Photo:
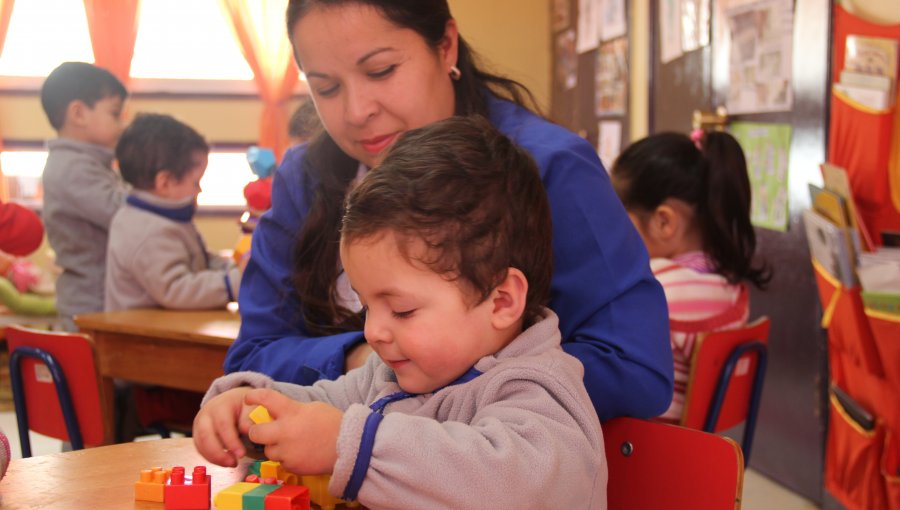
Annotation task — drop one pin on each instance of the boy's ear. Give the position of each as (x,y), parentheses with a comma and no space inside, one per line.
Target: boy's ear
(508,299)
(162,181)
(75,112)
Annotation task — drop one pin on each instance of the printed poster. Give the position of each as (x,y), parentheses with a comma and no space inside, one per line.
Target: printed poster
(694,24)
(613,23)
(589,12)
(609,142)
(766,148)
(611,86)
(761,34)
(566,59)
(669,30)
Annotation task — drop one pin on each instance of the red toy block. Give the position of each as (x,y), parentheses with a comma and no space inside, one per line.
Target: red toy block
(150,486)
(187,493)
(288,497)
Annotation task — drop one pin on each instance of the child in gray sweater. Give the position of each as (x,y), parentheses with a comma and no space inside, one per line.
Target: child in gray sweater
(156,257)
(469,401)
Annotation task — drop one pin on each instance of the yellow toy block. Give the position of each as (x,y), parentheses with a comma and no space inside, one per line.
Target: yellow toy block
(232,498)
(260,415)
(272,469)
(150,486)
(318,492)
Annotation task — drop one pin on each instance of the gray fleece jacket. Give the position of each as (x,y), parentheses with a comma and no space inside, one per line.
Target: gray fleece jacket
(522,434)
(158,260)
(81,194)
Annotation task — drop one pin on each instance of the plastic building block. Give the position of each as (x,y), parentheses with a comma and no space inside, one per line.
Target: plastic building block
(150,485)
(288,497)
(260,415)
(318,492)
(255,499)
(232,498)
(272,469)
(187,493)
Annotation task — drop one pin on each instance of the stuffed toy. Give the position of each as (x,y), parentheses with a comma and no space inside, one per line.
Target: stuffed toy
(24,289)
(258,195)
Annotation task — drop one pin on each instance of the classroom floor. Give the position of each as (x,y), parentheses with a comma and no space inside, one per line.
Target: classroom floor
(760,493)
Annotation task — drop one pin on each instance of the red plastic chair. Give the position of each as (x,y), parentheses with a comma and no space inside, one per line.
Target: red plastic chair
(55,387)
(654,465)
(726,379)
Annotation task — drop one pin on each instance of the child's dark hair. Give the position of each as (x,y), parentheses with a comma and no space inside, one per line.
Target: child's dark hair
(80,81)
(304,122)
(475,199)
(154,142)
(712,179)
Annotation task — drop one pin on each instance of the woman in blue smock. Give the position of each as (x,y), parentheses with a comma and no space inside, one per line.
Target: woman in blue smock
(378,68)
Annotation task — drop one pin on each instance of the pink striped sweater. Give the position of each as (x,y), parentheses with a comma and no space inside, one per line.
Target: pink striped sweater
(699,301)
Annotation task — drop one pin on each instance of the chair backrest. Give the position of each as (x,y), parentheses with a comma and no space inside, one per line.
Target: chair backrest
(653,465)
(54,379)
(725,380)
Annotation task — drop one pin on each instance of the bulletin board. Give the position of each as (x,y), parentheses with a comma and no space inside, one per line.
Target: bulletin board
(590,88)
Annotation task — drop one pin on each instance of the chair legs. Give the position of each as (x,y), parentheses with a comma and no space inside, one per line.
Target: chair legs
(722,387)
(62,391)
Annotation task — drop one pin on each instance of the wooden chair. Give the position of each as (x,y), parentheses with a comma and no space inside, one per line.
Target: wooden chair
(55,387)
(726,378)
(653,465)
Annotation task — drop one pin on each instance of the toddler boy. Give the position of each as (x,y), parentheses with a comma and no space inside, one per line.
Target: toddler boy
(156,256)
(469,402)
(82,192)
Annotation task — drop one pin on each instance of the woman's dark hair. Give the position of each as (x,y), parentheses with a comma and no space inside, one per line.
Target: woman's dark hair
(714,180)
(328,171)
(155,142)
(474,198)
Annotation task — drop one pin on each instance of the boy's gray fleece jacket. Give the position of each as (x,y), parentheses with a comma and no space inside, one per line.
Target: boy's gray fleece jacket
(522,434)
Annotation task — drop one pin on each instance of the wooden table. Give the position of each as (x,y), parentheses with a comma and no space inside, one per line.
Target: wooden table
(102,478)
(172,348)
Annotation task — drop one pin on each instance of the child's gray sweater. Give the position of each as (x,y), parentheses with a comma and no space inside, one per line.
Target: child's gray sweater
(522,434)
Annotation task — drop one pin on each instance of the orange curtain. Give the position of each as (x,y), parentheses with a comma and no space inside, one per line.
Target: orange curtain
(259,28)
(6,7)
(113,26)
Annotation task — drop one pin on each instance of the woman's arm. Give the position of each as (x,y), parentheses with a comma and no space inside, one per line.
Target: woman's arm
(272,339)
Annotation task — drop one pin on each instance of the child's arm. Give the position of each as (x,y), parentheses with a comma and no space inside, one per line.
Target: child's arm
(91,192)
(163,269)
(529,447)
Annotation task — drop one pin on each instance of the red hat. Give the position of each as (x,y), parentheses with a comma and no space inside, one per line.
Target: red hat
(21,230)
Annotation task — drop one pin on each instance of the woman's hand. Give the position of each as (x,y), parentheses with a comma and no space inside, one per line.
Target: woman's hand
(302,436)
(357,356)
(218,426)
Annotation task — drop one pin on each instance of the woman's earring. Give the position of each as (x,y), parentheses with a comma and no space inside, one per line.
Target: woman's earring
(455,73)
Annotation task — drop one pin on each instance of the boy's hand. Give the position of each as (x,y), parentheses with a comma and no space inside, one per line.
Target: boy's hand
(302,436)
(218,425)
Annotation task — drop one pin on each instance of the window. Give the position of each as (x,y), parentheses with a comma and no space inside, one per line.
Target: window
(223,183)
(42,34)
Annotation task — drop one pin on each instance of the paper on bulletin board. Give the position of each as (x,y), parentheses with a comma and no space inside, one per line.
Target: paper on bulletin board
(566,59)
(589,12)
(761,34)
(609,142)
(670,30)
(694,24)
(611,80)
(766,149)
(612,23)
(560,15)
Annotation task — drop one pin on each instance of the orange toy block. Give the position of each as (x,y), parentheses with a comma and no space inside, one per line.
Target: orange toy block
(150,485)
(232,498)
(288,497)
(187,493)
